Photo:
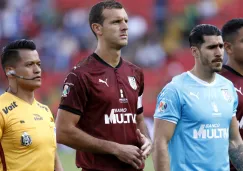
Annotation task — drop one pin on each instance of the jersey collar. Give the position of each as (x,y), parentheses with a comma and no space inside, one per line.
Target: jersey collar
(103,62)
(201,81)
(232,70)
(19,99)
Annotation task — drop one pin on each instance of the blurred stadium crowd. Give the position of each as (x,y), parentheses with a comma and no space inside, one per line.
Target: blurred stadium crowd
(158,32)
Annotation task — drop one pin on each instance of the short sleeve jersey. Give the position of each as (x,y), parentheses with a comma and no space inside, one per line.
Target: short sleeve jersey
(27,133)
(202,113)
(108,100)
(237,80)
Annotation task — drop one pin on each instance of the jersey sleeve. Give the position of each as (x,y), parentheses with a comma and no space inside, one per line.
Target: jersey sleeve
(74,95)
(140,95)
(168,105)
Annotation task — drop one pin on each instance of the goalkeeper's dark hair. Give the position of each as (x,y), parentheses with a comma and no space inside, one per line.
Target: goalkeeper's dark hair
(96,12)
(10,53)
(196,37)
(230,29)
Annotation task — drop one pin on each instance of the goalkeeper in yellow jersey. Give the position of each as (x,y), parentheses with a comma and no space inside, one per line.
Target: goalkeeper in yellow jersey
(27,128)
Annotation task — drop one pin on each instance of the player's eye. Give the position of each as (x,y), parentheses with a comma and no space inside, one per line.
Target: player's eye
(29,65)
(221,46)
(211,47)
(117,21)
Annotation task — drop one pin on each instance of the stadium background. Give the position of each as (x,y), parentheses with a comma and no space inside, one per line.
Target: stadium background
(158,41)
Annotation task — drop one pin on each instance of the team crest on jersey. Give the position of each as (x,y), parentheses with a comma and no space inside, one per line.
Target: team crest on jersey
(226,95)
(66,90)
(26,139)
(132,82)
(162,106)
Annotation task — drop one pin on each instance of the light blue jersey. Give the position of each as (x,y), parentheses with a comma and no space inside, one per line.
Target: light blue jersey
(203,113)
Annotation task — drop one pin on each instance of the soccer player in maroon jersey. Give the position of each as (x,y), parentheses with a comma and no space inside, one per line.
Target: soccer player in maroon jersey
(232,33)
(101,112)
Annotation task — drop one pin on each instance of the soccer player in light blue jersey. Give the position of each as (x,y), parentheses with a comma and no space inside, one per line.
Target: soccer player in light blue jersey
(195,124)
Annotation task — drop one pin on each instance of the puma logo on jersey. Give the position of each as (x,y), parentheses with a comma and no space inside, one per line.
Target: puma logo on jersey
(9,108)
(105,82)
(195,95)
(239,90)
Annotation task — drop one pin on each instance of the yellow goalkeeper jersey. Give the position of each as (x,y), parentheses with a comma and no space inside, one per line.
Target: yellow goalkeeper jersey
(27,133)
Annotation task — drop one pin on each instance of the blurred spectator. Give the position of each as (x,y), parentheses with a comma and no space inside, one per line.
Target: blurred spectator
(137,28)
(207,8)
(161,15)
(150,54)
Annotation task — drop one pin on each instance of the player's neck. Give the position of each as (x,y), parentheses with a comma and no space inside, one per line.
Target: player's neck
(237,66)
(204,75)
(109,55)
(27,96)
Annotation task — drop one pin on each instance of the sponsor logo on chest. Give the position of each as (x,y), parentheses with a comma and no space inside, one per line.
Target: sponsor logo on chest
(10,107)
(119,116)
(211,131)
(37,117)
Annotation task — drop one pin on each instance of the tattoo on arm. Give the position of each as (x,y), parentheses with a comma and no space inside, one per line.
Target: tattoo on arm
(236,156)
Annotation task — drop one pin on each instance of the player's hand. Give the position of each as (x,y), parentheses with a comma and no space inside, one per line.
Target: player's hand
(146,144)
(130,154)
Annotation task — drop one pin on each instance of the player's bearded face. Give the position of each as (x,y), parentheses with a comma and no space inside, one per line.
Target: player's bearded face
(211,53)
(115,27)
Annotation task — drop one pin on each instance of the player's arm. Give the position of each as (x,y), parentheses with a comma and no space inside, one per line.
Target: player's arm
(58,164)
(167,114)
(163,131)
(142,131)
(235,145)
(68,134)
(143,135)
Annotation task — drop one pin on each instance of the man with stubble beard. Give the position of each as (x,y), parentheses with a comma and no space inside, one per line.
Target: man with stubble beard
(101,112)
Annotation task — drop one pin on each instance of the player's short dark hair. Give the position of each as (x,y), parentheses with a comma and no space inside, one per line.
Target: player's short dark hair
(230,29)
(10,54)
(96,16)
(196,37)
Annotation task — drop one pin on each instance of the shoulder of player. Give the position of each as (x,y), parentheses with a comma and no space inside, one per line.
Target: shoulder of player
(5,100)
(224,79)
(175,85)
(224,71)
(179,80)
(83,67)
(131,65)
(43,106)
(7,104)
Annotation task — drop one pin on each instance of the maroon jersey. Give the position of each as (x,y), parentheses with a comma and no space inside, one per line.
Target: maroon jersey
(108,100)
(237,79)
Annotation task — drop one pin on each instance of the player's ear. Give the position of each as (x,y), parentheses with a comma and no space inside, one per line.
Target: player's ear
(195,51)
(97,28)
(9,70)
(228,47)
